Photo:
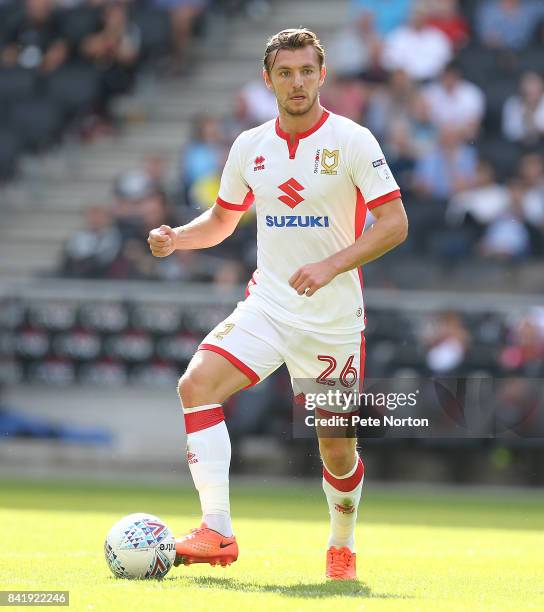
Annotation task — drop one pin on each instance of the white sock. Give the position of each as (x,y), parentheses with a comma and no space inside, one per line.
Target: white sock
(208,456)
(343,495)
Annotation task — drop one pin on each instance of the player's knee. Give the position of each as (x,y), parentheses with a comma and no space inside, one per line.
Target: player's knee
(193,387)
(337,454)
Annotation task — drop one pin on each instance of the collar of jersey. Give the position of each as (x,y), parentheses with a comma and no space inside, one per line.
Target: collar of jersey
(293,146)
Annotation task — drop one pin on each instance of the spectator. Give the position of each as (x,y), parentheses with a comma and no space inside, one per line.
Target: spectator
(114,49)
(134,262)
(260,102)
(155,166)
(382,17)
(523,113)
(401,152)
(139,206)
(445,15)
(33,38)
(424,133)
(508,237)
(446,341)
(390,102)
(345,96)
(455,102)
(531,173)
(203,156)
(91,251)
(355,50)
(410,135)
(448,168)
(477,207)
(508,24)
(238,120)
(140,201)
(130,189)
(183,14)
(420,50)
(524,349)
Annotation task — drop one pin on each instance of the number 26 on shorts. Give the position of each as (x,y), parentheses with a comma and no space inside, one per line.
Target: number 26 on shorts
(348,375)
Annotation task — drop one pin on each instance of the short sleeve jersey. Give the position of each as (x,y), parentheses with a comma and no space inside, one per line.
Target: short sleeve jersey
(311,196)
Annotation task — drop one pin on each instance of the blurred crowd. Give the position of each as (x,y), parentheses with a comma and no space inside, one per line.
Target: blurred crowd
(62,62)
(454,92)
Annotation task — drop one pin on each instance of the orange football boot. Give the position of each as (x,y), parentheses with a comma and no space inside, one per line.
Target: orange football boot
(341,564)
(204,545)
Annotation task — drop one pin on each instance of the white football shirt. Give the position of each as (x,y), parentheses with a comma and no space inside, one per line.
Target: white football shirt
(311,198)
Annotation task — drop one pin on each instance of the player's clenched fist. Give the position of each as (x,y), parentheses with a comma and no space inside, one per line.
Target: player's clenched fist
(311,277)
(162,241)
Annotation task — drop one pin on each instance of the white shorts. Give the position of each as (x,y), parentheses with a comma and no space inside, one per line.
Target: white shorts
(258,345)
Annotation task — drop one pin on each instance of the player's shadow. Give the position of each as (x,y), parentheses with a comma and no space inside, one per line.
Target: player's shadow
(313,590)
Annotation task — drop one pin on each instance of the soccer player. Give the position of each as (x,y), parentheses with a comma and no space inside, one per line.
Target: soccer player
(312,176)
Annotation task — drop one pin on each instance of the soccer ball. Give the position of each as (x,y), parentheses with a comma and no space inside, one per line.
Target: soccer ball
(140,546)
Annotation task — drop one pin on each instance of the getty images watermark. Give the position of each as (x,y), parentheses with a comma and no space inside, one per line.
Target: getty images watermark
(335,408)
(476,406)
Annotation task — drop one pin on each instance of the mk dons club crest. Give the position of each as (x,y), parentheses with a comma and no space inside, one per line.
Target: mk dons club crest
(329,161)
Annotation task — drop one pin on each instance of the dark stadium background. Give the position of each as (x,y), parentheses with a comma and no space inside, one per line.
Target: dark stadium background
(108,129)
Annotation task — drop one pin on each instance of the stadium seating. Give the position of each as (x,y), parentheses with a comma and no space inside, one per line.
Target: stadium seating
(73,91)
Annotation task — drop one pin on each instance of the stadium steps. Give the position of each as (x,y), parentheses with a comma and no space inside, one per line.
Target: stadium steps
(45,207)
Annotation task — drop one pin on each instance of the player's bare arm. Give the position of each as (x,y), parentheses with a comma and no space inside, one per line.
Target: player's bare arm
(207,230)
(390,230)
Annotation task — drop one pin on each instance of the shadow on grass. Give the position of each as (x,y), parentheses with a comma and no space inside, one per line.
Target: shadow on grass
(309,590)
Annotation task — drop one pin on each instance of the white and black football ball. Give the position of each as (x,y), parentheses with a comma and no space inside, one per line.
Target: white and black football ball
(140,546)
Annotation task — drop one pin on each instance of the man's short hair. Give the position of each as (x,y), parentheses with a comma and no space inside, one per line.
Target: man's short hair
(293,38)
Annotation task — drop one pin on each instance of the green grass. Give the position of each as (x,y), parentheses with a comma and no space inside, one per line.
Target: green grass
(416,551)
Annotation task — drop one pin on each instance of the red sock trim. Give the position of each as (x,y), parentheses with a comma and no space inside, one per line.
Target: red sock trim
(195,421)
(346,484)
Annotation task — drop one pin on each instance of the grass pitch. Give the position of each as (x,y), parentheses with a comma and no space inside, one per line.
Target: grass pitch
(416,551)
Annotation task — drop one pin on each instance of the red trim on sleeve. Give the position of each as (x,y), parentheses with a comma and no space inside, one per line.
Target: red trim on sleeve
(393,195)
(253,377)
(346,484)
(195,421)
(248,201)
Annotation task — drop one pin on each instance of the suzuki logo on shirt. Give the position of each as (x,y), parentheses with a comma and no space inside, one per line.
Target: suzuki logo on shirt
(297,221)
(291,188)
